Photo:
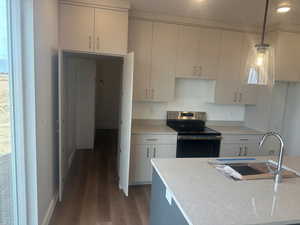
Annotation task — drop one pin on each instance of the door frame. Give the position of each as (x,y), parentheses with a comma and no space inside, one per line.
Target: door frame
(22,113)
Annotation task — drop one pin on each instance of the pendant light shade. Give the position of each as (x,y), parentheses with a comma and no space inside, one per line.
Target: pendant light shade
(260,65)
(260,60)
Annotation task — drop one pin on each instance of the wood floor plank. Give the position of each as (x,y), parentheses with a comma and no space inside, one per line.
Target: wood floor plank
(92,195)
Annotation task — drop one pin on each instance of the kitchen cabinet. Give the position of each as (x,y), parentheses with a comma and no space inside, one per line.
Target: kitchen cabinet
(95,30)
(287,54)
(146,147)
(76,28)
(163,62)
(155,47)
(242,145)
(231,86)
(140,42)
(198,53)
(111,31)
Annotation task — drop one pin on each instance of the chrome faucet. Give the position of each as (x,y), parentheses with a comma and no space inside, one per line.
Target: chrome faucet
(278,177)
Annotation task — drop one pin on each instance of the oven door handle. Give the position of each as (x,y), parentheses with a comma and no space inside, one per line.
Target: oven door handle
(199,138)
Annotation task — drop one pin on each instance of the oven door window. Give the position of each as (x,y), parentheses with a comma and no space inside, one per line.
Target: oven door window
(198,148)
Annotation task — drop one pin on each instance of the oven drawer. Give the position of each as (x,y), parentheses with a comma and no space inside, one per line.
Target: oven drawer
(154,139)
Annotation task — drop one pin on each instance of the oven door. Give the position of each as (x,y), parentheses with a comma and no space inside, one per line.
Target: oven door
(198,146)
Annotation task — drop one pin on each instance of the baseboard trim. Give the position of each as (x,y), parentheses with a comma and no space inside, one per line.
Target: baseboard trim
(50,210)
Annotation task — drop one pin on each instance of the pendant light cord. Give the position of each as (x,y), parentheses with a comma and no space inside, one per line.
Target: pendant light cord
(265,23)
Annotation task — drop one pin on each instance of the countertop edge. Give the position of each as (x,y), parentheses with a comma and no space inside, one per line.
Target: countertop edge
(173,196)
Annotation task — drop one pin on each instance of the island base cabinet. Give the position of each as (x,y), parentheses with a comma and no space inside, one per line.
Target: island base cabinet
(161,212)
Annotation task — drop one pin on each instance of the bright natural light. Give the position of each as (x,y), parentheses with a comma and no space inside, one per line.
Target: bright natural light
(5,148)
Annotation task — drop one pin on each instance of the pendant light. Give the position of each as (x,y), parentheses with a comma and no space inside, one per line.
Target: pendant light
(259,65)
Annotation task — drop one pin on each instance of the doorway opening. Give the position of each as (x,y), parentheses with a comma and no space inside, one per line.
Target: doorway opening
(95,94)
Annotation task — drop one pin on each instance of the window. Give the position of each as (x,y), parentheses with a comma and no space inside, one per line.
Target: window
(6,199)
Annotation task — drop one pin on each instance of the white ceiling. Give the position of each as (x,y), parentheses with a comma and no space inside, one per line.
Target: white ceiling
(245,12)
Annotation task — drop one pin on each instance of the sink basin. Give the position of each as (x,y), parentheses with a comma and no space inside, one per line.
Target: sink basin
(253,168)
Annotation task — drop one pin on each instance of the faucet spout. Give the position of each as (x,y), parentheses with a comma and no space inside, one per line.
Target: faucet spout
(278,176)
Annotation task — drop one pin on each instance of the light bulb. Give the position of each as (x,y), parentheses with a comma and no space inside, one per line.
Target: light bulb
(283,9)
(260,59)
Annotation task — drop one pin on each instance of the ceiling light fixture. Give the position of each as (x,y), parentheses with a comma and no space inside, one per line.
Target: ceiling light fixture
(283,9)
(259,63)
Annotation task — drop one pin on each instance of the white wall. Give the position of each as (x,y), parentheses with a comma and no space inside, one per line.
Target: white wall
(46,45)
(292,120)
(190,95)
(85,102)
(109,71)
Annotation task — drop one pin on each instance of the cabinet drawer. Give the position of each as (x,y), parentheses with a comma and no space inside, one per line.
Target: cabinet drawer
(240,139)
(154,139)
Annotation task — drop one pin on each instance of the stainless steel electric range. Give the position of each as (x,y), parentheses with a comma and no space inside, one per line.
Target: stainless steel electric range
(194,138)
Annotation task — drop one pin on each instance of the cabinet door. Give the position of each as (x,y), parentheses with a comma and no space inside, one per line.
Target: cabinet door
(111,31)
(164,49)
(287,57)
(165,151)
(209,53)
(228,150)
(198,52)
(188,51)
(141,164)
(140,42)
(228,83)
(76,28)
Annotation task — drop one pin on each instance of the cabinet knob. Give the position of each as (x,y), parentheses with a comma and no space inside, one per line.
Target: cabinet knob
(98,43)
(90,42)
(235,97)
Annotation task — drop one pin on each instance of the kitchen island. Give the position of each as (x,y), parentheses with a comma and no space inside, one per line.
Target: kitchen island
(192,192)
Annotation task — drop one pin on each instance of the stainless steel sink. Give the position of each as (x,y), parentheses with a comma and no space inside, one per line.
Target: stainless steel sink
(253,168)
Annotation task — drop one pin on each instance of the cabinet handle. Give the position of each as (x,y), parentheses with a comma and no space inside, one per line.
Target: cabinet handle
(98,43)
(200,71)
(241,97)
(195,70)
(235,97)
(246,151)
(154,154)
(240,153)
(90,42)
(244,139)
(152,93)
(146,90)
(147,152)
(151,139)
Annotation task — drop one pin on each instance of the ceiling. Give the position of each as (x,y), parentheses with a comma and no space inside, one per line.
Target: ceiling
(244,12)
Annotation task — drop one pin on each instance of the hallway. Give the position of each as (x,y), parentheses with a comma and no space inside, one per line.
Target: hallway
(92,196)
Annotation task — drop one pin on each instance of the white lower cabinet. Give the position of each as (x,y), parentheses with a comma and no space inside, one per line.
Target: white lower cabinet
(146,147)
(243,145)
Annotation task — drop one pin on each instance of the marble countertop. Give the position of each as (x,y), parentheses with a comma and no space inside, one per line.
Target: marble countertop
(206,197)
(151,127)
(160,127)
(227,130)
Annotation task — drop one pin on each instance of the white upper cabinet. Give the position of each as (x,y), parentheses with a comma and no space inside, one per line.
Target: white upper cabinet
(76,28)
(287,55)
(163,62)
(155,47)
(231,87)
(95,30)
(111,31)
(198,52)
(140,42)
(228,82)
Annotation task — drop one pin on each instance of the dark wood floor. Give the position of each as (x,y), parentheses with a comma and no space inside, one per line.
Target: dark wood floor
(92,196)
